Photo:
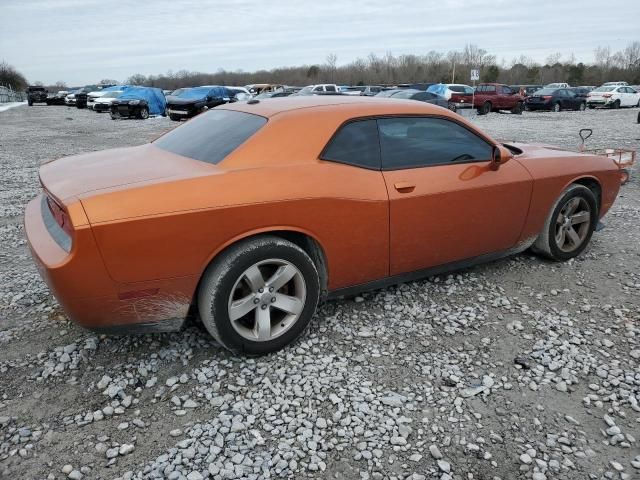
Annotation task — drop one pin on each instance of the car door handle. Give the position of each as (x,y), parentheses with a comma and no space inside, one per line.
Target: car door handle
(404,187)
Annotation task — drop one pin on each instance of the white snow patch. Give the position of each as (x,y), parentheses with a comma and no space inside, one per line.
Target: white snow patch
(7,106)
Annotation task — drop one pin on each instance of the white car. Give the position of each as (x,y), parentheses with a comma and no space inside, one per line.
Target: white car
(616,84)
(103,102)
(92,96)
(613,96)
(322,88)
(70,99)
(558,85)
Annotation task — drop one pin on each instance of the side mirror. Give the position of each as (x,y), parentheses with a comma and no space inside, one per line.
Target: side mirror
(499,156)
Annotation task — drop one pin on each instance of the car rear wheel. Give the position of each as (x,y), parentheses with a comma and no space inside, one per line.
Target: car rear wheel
(452,107)
(259,295)
(582,107)
(592,107)
(570,225)
(144,113)
(556,107)
(616,104)
(518,108)
(175,118)
(485,109)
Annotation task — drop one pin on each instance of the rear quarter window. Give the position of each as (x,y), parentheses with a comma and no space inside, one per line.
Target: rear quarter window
(211,136)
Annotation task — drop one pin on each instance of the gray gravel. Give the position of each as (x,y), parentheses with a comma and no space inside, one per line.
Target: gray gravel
(519,369)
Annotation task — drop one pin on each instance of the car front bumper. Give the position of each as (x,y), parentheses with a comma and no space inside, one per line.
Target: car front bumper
(89,296)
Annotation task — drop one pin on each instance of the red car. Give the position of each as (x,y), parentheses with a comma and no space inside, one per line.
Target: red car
(492,97)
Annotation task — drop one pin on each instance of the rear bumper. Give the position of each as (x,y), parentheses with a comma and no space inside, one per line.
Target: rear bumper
(81,284)
(459,105)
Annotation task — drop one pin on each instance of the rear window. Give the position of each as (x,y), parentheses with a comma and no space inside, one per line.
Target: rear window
(211,136)
(461,89)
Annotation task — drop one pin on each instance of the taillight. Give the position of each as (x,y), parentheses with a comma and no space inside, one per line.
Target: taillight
(547,97)
(60,216)
(606,95)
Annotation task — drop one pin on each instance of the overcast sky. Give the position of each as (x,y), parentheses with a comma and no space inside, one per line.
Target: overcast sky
(84,41)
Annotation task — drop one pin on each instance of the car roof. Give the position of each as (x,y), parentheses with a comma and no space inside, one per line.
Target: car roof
(349,106)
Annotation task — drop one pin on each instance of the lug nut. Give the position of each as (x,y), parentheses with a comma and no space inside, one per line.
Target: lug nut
(263,307)
(273,299)
(256,301)
(261,290)
(271,289)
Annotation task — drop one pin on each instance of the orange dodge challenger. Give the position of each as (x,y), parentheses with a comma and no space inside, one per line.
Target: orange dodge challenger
(253,212)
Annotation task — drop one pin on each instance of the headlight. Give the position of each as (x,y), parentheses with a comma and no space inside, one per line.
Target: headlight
(134,102)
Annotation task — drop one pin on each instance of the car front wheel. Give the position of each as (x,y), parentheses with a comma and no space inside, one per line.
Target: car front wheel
(582,107)
(556,107)
(570,225)
(259,295)
(144,113)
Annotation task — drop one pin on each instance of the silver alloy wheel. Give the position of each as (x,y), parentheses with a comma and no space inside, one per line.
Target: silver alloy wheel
(572,224)
(267,300)
(556,107)
(582,107)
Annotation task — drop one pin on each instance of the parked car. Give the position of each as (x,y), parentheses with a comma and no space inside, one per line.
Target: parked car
(354,91)
(458,95)
(525,90)
(185,103)
(239,94)
(36,94)
(93,96)
(614,84)
(555,99)
(557,85)
(139,102)
(57,98)
(157,230)
(587,87)
(372,90)
(82,94)
(421,96)
(493,97)
(103,102)
(581,92)
(70,99)
(613,97)
(258,88)
(315,89)
(285,91)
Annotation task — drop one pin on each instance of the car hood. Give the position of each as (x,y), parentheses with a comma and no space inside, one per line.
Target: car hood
(83,175)
(183,101)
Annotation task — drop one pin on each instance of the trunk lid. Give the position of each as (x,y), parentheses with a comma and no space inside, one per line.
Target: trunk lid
(80,174)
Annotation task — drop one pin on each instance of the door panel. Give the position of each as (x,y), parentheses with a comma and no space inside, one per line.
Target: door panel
(444,213)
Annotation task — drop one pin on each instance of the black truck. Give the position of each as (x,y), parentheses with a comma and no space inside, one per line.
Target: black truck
(36,94)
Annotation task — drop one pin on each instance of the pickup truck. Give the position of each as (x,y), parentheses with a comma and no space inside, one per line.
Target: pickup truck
(493,97)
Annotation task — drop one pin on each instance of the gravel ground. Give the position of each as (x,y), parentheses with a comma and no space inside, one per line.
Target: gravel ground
(519,369)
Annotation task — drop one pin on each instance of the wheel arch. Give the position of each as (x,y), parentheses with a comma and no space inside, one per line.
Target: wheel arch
(300,237)
(593,184)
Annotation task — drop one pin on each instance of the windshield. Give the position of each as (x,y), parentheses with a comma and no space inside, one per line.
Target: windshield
(197,92)
(604,89)
(211,136)
(388,93)
(405,93)
(112,95)
(461,89)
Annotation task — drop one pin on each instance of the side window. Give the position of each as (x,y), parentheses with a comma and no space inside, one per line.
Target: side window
(411,142)
(356,143)
(490,88)
(330,88)
(506,91)
(422,96)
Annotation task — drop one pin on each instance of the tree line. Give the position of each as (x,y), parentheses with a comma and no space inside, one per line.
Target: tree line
(450,67)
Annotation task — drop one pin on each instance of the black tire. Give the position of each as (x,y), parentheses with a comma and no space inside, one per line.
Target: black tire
(582,107)
(30,103)
(638,118)
(113,117)
(175,118)
(452,107)
(556,107)
(616,105)
(218,281)
(517,110)
(485,109)
(144,113)
(591,107)
(546,244)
